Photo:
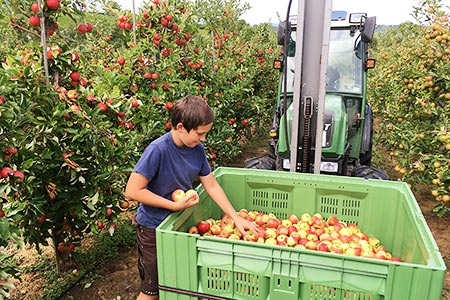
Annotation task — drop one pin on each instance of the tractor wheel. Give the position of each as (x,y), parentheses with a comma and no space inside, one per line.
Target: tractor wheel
(260,163)
(368,172)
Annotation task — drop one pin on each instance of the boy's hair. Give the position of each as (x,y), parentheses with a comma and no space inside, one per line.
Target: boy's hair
(192,111)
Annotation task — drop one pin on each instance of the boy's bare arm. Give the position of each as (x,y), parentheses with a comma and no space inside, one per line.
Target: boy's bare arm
(136,189)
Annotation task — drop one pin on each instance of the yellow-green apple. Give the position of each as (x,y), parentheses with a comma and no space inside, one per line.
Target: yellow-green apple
(234,236)
(318,215)
(302,233)
(345,231)
(193,229)
(282,239)
(324,237)
(306,218)
(250,236)
(303,226)
(312,236)
(336,249)
(381,254)
(352,251)
(226,220)
(300,246)
(354,228)
(243,213)
(270,241)
(355,238)
(215,229)
(178,194)
(286,222)
(291,242)
(260,240)
(252,214)
(270,233)
(311,245)
(191,193)
(374,242)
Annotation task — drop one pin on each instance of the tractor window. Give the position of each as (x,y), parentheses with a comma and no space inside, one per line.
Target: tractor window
(345,67)
(344,73)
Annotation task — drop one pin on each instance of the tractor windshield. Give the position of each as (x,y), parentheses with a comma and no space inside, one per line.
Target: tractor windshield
(344,72)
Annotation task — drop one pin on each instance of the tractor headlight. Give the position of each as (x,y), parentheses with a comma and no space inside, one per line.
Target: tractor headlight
(286,164)
(329,167)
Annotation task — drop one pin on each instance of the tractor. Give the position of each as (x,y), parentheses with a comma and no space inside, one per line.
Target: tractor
(322,121)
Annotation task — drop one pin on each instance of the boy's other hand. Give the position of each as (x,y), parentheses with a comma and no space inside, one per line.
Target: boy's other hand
(189,200)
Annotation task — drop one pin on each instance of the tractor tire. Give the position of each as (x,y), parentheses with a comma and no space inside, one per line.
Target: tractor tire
(260,163)
(369,172)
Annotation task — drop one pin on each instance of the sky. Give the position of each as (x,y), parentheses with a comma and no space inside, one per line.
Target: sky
(388,12)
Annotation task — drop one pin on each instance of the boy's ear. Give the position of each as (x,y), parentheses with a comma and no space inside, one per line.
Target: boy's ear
(179,126)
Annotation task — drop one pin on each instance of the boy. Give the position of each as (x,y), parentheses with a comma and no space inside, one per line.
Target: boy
(174,160)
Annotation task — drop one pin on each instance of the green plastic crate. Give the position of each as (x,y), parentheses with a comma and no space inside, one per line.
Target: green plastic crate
(194,267)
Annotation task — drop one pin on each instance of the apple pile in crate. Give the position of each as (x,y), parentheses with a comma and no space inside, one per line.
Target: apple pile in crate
(308,231)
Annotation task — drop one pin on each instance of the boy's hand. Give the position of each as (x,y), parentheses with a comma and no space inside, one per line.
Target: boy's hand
(187,201)
(244,225)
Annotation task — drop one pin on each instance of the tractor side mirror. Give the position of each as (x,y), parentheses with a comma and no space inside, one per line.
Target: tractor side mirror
(281,33)
(368,29)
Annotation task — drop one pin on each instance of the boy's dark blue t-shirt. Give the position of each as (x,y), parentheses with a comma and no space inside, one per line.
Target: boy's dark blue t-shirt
(168,167)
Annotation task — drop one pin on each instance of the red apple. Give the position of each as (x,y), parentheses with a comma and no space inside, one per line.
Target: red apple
(273,223)
(53,4)
(203,227)
(35,7)
(100,224)
(282,230)
(19,176)
(2,213)
(75,76)
(34,21)
(397,259)
(109,211)
(82,28)
(5,172)
(121,61)
(323,247)
(293,218)
(102,106)
(332,220)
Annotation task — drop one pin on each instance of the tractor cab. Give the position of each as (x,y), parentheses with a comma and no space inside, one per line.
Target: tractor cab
(347,119)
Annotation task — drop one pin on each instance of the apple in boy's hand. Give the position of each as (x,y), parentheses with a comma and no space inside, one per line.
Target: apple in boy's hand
(178,194)
(191,192)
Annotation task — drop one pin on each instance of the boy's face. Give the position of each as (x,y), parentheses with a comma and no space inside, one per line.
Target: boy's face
(195,136)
